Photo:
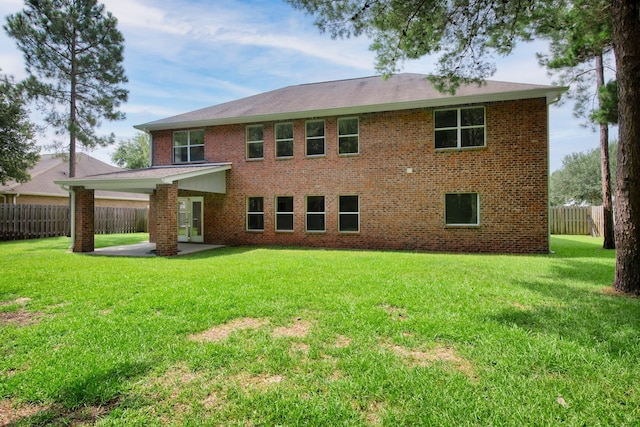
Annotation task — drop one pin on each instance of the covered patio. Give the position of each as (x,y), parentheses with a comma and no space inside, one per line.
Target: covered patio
(161,183)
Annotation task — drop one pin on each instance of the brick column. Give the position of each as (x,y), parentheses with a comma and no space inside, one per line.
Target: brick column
(152,217)
(84,220)
(166,235)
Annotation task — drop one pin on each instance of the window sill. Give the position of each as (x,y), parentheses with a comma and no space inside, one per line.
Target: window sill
(315,156)
(284,231)
(462,226)
(348,154)
(257,159)
(457,149)
(284,158)
(254,231)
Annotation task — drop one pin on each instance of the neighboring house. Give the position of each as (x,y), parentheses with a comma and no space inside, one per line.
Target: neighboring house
(362,163)
(42,190)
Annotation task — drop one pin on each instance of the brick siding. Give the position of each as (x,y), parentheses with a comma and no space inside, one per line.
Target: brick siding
(398,209)
(84,222)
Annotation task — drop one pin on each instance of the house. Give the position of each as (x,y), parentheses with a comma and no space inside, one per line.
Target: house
(362,163)
(42,190)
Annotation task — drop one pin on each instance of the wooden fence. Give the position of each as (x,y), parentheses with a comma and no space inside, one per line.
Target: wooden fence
(585,220)
(18,222)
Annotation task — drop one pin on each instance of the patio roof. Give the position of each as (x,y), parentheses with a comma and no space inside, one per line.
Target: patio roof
(208,178)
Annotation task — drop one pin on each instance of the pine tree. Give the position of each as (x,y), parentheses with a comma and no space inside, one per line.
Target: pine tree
(73,53)
(18,150)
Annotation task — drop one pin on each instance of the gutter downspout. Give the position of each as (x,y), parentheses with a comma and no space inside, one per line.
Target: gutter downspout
(15,198)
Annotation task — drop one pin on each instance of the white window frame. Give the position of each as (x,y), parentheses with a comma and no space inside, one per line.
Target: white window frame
(254,142)
(357,135)
(340,213)
(275,132)
(459,128)
(323,213)
(308,138)
(278,213)
(254,213)
(188,147)
(477,210)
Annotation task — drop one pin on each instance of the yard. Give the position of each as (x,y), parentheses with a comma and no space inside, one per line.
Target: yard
(277,336)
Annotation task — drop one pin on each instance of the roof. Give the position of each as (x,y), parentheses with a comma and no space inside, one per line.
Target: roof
(194,177)
(353,96)
(52,167)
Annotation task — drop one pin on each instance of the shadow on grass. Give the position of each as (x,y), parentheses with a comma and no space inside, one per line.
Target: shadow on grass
(581,309)
(83,401)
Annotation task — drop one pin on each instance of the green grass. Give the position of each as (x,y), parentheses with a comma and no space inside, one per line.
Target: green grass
(374,338)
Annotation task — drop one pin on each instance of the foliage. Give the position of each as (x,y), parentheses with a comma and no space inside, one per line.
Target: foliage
(467,34)
(608,111)
(339,337)
(580,178)
(73,53)
(18,150)
(133,153)
(578,31)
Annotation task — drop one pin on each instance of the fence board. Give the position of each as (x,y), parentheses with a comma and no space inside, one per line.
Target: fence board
(19,222)
(576,220)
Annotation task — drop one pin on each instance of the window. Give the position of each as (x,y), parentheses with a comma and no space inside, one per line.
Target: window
(284,140)
(315,138)
(348,214)
(348,136)
(188,146)
(255,213)
(255,143)
(462,209)
(459,128)
(315,213)
(284,213)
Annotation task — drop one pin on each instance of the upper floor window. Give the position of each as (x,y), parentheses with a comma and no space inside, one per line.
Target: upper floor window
(348,135)
(188,146)
(255,142)
(315,138)
(462,209)
(460,128)
(284,140)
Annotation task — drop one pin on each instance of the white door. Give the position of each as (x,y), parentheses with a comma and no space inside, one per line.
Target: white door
(190,215)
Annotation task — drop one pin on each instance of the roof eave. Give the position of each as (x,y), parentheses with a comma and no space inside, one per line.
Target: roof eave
(551,94)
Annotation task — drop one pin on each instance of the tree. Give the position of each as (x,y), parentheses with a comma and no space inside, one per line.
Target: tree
(133,153)
(18,150)
(73,53)
(468,34)
(580,40)
(580,178)
(626,34)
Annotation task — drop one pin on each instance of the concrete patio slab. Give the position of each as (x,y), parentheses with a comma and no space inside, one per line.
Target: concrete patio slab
(147,249)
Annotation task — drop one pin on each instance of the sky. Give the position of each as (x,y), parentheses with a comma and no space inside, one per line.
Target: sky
(183,55)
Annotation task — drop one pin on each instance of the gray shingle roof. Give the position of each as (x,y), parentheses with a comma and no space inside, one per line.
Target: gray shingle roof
(53,167)
(368,94)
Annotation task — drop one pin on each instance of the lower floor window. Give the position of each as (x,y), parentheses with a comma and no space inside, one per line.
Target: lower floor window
(348,214)
(284,213)
(255,213)
(462,209)
(315,213)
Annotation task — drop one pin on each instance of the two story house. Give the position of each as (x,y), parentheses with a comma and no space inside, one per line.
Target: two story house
(363,163)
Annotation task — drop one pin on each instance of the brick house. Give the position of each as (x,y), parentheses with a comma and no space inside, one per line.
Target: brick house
(363,163)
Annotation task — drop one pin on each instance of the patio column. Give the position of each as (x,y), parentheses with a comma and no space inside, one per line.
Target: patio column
(152,217)
(84,220)
(166,202)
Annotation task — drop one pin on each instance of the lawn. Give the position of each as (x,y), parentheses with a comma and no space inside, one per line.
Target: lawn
(279,336)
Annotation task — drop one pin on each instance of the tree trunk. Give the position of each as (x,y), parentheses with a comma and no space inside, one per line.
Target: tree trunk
(607,210)
(72,110)
(626,34)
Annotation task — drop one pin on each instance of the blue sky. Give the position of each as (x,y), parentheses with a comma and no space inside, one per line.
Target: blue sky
(182,55)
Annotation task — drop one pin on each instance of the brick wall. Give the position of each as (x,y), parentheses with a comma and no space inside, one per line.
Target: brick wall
(166,213)
(398,210)
(84,221)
